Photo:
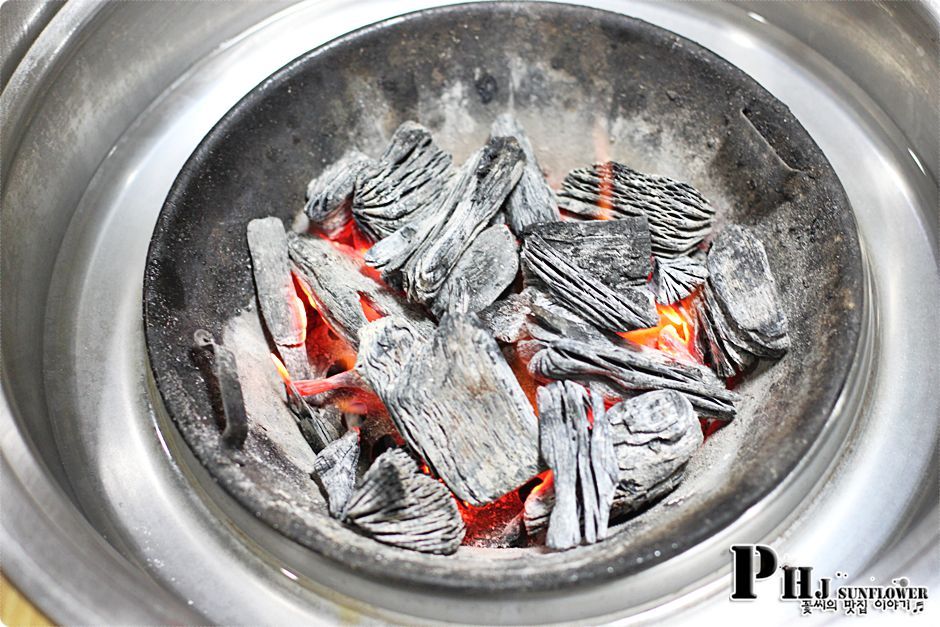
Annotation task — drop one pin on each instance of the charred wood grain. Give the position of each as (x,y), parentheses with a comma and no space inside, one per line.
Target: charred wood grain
(531,201)
(405,183)
(482,273)
(676,278)
(679,216)
(338,283)
(395,504)
(654,436)
(334,470)
(584,293)
(330,195)
(456,402)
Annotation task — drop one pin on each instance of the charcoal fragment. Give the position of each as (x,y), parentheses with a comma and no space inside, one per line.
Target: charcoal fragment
(631,367)
(330,195)
(584,293)
(456,402)
(338,283)
(395,504)
(403,185)
(280,306)
(654,436)
(482,273)
(532,201)
(225,369)
(335,471)
(676,278)
(679,216)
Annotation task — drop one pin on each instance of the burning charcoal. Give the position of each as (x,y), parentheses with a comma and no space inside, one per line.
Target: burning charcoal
(229,387)
(482,273)
(631,367)
(674,279)
(456,401)
(318,425)
(615,252)
(329,196)
(532,201)
(583,292)
(407,181)
(397,505)
(282,310)
(583,464)
(485,181)
(654,436)
(538,510)
(335,470)
(339,286)
(715,338)
(506,318)
(744,289)
(679,216)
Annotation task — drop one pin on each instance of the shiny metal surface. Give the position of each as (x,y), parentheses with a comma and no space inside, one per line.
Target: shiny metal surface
(156,542)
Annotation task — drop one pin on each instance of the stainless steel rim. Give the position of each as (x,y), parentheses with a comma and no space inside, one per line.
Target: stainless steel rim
(139,487)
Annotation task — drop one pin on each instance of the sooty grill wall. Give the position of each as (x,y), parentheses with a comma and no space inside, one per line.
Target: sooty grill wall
(583,83)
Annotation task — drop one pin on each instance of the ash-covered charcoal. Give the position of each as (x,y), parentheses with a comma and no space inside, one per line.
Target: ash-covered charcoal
(727,353)
(228,386)
(330,195)
(583,292)
(538,510)
(506,318)
(654,436)
(675,278)
(319,425)
(679,216)
(583,464)
(405,183)
(615,252)
(482,273)
(532,201)
(335,471)
(484,183)
(744,288)
(456,401)
(339,286)
(397,505)
(631,367)
(281,309)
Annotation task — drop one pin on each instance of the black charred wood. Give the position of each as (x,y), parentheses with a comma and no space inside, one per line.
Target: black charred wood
(277,297)
(482,273)
(395,504)
(456,402)
(654,436)
(405,183)
(334,470)
(679,216)
(583,292)
(338,284)
(330,195)
(532,201)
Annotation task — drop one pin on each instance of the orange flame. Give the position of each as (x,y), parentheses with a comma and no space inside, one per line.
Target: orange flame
(281,369)
(605,192)
(674,335)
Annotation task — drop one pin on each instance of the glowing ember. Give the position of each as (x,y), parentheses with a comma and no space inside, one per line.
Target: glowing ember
(675,333)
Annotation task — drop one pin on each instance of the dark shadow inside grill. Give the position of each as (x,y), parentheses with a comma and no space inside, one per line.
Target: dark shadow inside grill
(587,85)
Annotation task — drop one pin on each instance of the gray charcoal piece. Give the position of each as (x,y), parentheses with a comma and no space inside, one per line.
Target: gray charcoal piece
(532,201)
(676,278)
(743,286)
(583,463)
(335,471)
(404,184)
(562,416)
(615,252)
(330,195)
(730,353)
(482,273)
(339,286)
(679,216)
(319,425)
(654,436)
(395,504)
(631,367)
(583,293)
(506,318)
(456,402)
(471,203)
(537,511)
(277,298)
